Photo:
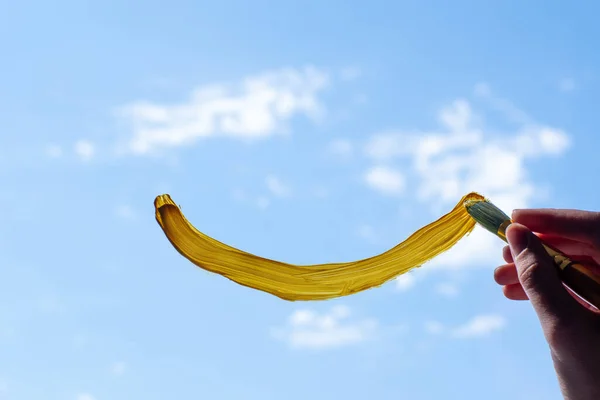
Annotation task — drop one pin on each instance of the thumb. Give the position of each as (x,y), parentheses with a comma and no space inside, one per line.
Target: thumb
(539,277)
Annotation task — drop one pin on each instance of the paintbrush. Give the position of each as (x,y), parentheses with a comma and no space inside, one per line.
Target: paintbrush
(579,278)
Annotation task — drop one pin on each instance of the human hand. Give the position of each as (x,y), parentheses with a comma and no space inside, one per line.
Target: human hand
(571,326)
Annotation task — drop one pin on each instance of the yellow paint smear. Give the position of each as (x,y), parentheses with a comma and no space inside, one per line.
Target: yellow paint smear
(312,282)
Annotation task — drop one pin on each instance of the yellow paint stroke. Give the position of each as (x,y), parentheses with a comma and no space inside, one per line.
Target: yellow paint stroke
(312,282)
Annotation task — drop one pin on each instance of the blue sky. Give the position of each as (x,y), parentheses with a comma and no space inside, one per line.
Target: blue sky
(302,131)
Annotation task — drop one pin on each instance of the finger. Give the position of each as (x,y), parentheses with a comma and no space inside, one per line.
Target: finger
(507,255)
(539,278)
(583,253)
(515,292)
(583,226)
(506,274)
(571,247)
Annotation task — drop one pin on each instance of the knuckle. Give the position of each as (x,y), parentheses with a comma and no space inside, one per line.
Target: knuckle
(530,270)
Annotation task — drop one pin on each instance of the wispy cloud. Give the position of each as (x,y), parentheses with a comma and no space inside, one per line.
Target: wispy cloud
(277,187)
(54,151)
(478,326)
(85,396)
(386,180)
(118,368)
(367,232)
(504,106)
(567,85)
(405,282)
(239,194)
(263,202)
(255,108)
(350,73)
(85,150)
(447,289)
(341,148)
(434,327)
(125,211)
(307,329)
(463,157)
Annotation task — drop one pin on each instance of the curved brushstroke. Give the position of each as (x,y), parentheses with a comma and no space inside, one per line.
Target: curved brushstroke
(312,282)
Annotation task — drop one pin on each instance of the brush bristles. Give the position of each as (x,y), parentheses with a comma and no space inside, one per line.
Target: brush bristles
(487,215)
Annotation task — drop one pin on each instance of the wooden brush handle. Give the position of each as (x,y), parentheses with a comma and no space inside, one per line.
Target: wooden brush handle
(577,276)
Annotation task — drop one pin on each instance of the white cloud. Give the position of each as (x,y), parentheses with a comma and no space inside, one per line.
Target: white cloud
(463,156)
(405,282)
(85,150)
(384,146)
(118,368)
(125,211)
(350,73)
(263,202)
(446,289)
(567,85)
(341,148)
(509,110)
(540,141)
(482,89)
(481,325)
(478,326)
(85,396)
(479,249)
(256,108)
(367,232)
(434,327)
(307,329)
(54,151)
(277,187)
(385,180)
(457,117)
(239,194)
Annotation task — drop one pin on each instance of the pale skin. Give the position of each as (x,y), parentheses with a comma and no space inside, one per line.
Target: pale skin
(571,326)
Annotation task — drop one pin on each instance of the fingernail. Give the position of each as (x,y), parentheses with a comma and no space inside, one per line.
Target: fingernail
(518,238)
